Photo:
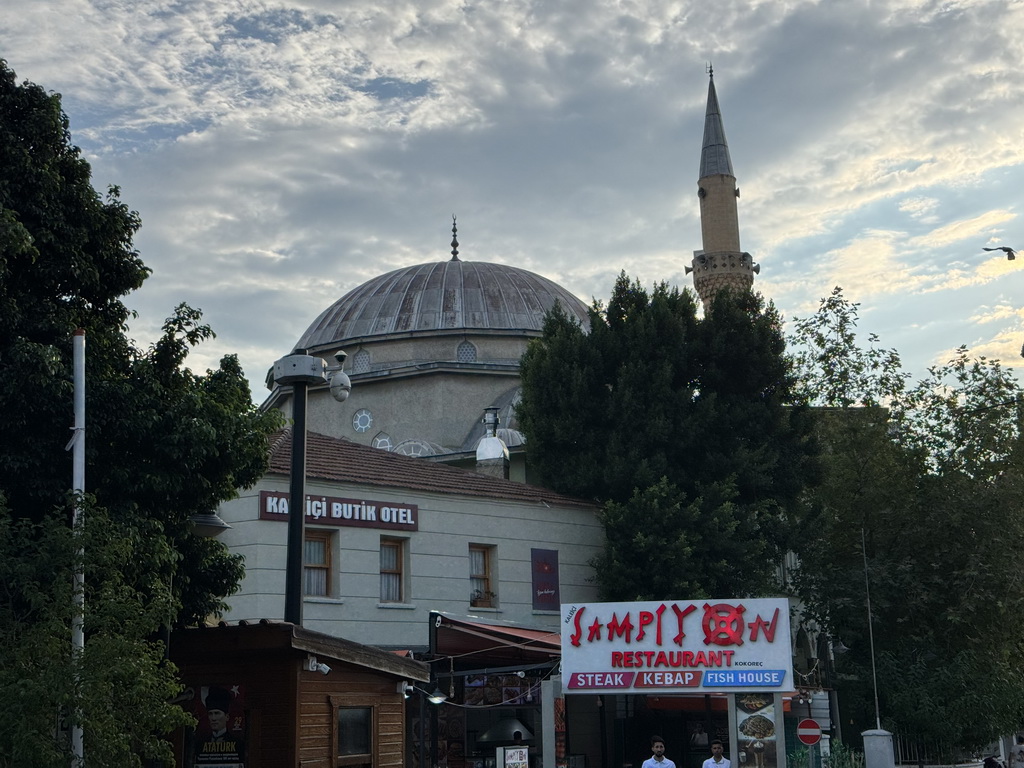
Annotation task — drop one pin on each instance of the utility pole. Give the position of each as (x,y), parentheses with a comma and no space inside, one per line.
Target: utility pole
(78,592)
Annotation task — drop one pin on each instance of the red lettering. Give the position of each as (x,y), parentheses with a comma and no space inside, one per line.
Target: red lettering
(657,635)
(577,629)
(769,629)
(622,628)
(617,659)
(723,624)
(644,618)
(680,615)
(595,631)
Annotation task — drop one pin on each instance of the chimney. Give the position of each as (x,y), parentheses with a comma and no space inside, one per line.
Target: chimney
(491,451)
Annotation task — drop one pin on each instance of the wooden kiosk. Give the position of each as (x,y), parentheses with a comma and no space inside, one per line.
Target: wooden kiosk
(276,695)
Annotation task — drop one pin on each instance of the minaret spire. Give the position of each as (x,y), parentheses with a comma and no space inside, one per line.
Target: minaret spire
(720,264)
(455,240)
(714,157)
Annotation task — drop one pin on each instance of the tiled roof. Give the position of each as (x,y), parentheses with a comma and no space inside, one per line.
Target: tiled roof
(331,458)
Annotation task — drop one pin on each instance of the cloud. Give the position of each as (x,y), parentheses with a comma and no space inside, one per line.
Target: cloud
(282,152)
(959,231)
(920,207)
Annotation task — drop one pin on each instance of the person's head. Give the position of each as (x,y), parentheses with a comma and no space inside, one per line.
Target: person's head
(657,746)
(218,701)
(717,748)
(218,719)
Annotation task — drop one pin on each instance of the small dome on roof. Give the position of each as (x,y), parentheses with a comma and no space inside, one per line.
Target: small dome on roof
(441,296)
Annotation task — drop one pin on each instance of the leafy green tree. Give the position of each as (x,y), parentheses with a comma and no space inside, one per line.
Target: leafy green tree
(125,686)
(922,494)
(163,443)
(680,426)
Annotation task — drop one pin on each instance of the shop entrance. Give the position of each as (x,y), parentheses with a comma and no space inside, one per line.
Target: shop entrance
(687,723)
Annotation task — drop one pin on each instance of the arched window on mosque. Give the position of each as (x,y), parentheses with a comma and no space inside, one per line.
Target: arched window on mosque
(361,361)
(466,352)
(416,447)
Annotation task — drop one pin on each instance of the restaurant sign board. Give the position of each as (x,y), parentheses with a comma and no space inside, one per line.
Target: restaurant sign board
(677,646)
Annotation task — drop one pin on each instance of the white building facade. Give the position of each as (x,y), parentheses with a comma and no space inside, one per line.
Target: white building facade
(391,538)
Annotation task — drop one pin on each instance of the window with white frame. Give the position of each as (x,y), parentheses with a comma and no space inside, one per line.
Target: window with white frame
(383,441)
(392,570)
(482,589)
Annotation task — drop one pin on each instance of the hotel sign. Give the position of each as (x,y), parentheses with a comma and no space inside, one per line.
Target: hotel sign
(356,513)
(677,646)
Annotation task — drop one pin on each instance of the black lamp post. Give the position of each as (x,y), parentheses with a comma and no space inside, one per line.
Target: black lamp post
(300,370)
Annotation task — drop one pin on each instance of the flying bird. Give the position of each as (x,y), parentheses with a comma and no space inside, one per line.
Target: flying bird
(1010,253)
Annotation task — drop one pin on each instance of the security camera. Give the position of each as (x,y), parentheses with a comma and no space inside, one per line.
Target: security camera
(341,385)
(315,666)
(341,355)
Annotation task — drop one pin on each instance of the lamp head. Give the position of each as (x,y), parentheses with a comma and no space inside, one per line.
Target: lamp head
(437,697)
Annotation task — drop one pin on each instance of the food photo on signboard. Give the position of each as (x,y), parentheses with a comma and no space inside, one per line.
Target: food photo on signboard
(755,718)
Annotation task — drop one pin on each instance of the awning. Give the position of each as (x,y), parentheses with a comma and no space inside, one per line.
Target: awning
(478,645)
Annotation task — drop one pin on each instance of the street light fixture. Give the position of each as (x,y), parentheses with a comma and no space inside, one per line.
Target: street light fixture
(437,697)
(208,526)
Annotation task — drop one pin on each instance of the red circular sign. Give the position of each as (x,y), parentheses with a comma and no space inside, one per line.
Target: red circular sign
(808,731)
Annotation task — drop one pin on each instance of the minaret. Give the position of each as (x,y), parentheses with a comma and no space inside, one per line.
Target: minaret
(721,263)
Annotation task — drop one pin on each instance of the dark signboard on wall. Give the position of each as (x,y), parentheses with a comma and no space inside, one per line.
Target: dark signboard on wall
(544,565)
(331,510)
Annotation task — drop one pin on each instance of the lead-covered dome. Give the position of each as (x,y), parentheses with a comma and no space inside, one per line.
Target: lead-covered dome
(442,296)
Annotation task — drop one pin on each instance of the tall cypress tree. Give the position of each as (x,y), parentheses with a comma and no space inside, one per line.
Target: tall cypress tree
(684,429)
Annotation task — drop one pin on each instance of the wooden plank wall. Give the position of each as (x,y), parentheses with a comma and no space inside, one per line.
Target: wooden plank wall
(349,686)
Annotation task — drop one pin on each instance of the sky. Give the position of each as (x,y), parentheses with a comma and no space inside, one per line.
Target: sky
(282,153)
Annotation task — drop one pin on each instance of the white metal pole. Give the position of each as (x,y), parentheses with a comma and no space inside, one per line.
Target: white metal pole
(78,486)
(871,631)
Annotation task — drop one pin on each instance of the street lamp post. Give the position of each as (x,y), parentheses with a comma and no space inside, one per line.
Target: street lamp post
(299,370)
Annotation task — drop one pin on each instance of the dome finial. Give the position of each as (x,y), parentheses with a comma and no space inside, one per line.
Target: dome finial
(455,240)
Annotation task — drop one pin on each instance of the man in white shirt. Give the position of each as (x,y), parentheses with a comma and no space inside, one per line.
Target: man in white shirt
(717,759)
(658,759)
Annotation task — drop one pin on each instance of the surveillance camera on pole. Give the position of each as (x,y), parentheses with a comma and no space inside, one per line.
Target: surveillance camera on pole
(298,370)
(340,383)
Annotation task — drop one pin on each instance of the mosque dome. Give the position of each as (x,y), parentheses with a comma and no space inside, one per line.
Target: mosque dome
(451,295)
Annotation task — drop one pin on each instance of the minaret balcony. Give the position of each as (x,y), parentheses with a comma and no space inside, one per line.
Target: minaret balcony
(740,264)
